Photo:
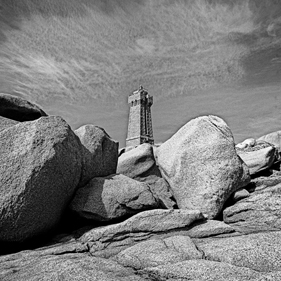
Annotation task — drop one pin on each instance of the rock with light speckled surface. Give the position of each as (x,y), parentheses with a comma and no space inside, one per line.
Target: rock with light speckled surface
(138,228)
(258,251)
(203,270)
(6,123)
(261,211)
(201,165)
(112,197)
(41,168)
(100,153)
(156,252)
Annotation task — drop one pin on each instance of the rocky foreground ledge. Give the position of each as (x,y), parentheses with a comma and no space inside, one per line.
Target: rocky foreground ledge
(196,207)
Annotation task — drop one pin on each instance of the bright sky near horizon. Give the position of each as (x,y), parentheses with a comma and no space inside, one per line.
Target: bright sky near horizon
(81,59)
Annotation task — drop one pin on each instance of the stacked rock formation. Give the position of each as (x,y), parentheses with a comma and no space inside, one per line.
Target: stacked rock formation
(197,207)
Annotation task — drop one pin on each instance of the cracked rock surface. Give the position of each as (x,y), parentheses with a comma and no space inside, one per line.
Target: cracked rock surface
(203,270)
(261,211)
(258,251)
(155,252)
(73,266)
(107,198)
(152,245)
(111,239)
(129,227)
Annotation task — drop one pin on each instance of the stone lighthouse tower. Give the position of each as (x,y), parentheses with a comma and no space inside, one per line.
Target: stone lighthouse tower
(140,122)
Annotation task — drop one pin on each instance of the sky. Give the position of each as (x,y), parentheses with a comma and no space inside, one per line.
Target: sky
(81,60)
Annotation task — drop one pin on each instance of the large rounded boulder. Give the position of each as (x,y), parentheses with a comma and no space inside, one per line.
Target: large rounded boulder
(201,165)
(100,152)
(112,197)
(19,109)
(41,166)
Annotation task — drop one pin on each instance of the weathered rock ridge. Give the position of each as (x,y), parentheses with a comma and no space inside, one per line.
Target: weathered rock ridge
(185,210)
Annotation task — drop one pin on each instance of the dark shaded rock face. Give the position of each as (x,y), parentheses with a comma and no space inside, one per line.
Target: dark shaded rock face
(100,152)
(41,166)
(201,165)
(112,197)
(19,109)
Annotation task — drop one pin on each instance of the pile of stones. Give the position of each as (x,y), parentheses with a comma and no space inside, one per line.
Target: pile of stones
(197,207)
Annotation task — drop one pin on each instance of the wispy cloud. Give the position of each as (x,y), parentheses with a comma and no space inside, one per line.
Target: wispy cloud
(84,50)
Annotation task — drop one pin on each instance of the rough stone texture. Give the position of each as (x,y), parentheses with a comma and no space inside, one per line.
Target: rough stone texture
(271,276)
(239,195)
(139,164)
(246,143)
(40,168)
(19,109)
(264,179)
(256,145)
(69,266)
(112,197)
(273,138)
(6,123)
(261,211)
(137,161)
(199,270)
(66,247)
(201,165)
(259,251)
(100,152)
(209,228)
(155,252)
(258,160)
(161,191)
(246,257)
(137,228)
